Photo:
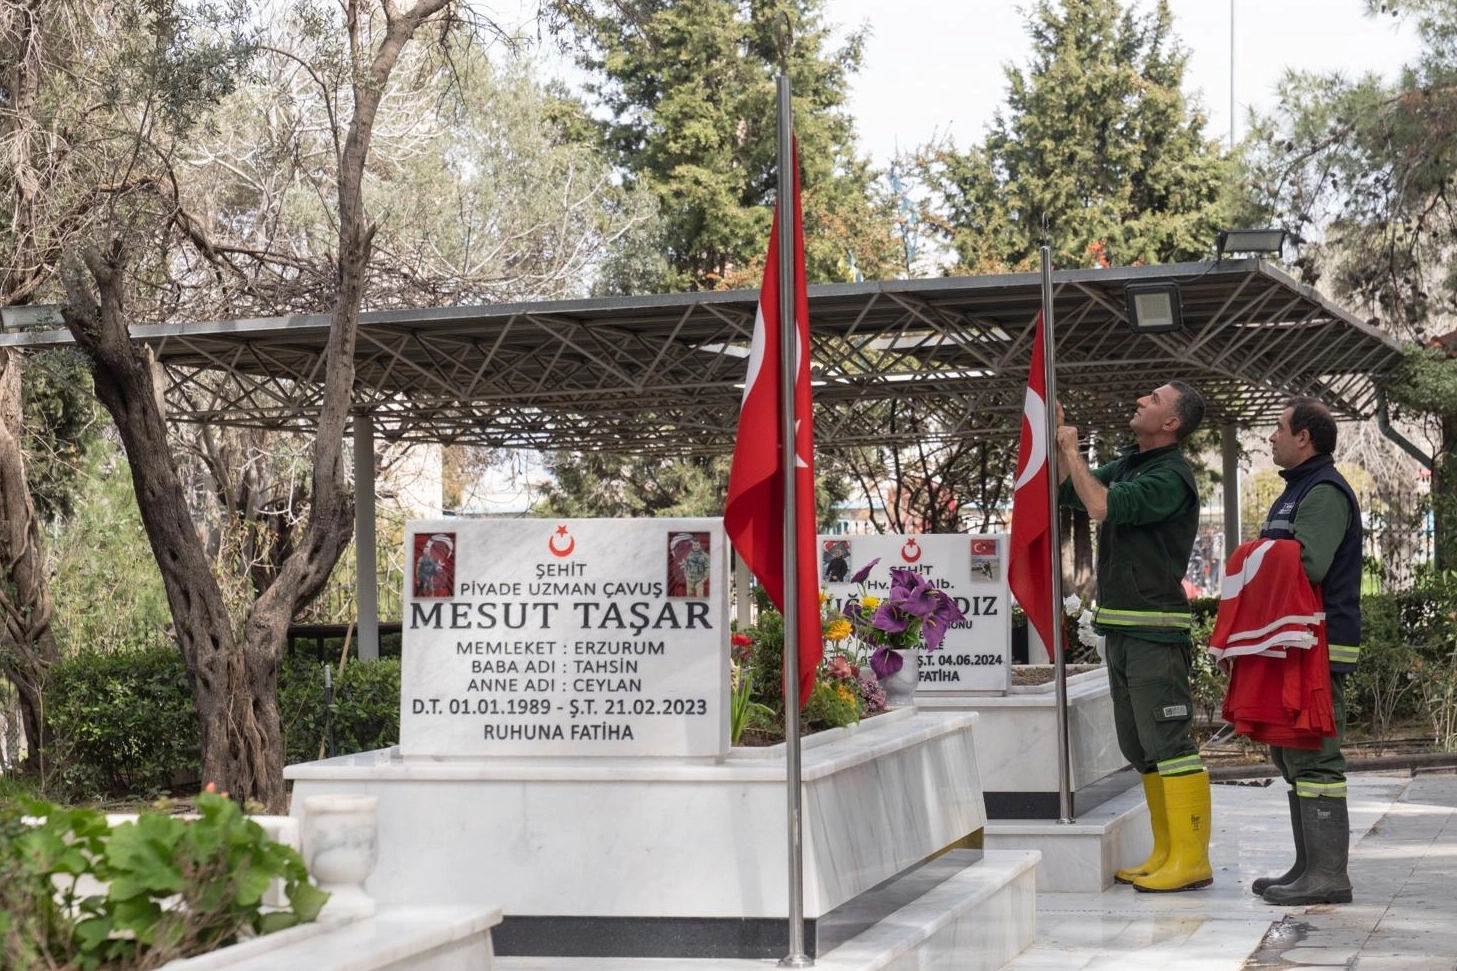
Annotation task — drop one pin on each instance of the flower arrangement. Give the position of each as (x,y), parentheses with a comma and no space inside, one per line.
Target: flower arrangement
(864,642)
(742,706)
(844,689)
(912,613)
(1083,643)
(844,664)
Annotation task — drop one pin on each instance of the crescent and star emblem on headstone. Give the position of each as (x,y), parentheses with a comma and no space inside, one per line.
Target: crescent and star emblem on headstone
(1034,413)
(911,552)
(551,544)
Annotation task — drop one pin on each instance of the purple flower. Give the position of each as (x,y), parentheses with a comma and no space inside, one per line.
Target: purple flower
(911,592)
(862,574)
(890,619)
(933,631)
(872,692)
(885,662)
(940,620)
(912,613)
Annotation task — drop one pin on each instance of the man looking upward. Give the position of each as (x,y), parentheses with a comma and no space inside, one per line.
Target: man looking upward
(1148,508)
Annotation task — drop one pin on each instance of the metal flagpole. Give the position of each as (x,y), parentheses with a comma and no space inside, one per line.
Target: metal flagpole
(788,331)
(1058,645)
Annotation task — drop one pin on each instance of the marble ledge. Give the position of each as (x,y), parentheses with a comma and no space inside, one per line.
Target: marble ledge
(867,742)
(397,937)
(1079,686)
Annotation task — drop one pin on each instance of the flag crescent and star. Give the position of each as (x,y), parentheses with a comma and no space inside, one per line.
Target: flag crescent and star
(1029,561)
(1034,425)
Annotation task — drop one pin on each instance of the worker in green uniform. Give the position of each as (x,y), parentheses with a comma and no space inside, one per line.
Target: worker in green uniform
(1148,509)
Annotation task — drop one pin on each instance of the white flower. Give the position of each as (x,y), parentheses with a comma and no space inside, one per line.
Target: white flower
(1071,604)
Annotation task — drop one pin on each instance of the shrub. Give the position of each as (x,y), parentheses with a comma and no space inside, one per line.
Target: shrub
(175,887)
(123,722)
(1384,692)
(366,712)
(1429,621)
(1405,672)
(831,704)
(1206,682)
(766,663)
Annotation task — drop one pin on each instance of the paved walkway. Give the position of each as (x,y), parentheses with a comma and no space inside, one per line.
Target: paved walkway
(1403,867)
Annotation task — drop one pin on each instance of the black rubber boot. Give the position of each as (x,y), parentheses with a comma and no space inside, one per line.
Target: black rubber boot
(1327,831)
(1262,884)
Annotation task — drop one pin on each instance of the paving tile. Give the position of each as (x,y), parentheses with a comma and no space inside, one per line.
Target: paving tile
(1337,937)
(1404,918)
(1403,962)
(1320,956)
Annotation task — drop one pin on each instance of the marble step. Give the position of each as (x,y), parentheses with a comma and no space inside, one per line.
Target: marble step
(978,919)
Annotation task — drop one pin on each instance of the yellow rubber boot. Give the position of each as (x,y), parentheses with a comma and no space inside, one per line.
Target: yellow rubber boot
(1186,801)
(1153,792)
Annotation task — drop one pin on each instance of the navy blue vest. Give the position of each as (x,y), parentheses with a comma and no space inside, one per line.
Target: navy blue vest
(1341,588)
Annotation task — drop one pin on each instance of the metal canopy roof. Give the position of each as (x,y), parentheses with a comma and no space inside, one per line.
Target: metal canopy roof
(665,373)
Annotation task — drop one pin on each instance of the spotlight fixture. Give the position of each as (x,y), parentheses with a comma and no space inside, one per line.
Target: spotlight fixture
(1154,307)
(1249,241)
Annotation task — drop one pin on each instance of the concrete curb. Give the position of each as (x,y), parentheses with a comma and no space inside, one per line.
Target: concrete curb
(1385,763)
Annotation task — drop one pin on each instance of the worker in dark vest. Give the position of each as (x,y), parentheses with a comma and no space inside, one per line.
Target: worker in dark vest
(1318,510)
(1148,507)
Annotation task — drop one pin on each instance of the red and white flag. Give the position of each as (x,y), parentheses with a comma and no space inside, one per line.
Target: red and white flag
(1029,566)
(754,513)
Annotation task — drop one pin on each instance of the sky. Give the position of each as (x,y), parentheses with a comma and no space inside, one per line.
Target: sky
(936,66)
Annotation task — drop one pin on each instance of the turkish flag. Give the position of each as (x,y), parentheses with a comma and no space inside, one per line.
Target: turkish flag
(754,513)
(1029,564)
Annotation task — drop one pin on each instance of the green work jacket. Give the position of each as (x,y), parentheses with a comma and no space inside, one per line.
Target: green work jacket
(1144,543)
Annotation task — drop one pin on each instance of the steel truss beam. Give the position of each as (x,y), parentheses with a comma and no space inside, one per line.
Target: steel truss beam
(664,374)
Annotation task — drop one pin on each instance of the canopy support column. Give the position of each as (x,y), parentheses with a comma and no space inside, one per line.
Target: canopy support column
(1229,453)
(366,575)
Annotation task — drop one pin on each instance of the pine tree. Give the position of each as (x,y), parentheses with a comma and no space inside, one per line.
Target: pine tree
(1098,140)
(688,90)
(1360,172)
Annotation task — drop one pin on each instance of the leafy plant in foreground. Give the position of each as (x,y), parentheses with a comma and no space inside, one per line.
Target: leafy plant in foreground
(76,892)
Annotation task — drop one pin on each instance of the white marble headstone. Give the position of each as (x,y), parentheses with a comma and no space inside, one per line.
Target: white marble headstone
(576,637)
(975,655)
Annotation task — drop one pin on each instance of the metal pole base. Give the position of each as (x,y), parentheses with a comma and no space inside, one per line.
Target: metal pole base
(796,961)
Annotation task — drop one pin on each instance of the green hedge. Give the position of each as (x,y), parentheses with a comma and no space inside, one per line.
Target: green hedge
(124,723)
(366,708)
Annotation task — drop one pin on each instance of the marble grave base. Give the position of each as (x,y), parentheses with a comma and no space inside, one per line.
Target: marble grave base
(673,857)
(1016,746)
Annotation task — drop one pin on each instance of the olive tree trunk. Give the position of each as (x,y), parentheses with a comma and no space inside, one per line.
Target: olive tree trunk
(27,650)
(234,676)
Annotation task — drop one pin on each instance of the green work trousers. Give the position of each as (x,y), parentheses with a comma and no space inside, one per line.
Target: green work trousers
(1153,706)
(1322,771)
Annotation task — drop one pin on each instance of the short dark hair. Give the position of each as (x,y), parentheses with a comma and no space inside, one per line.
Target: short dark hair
(1309,414)
(1189,409)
